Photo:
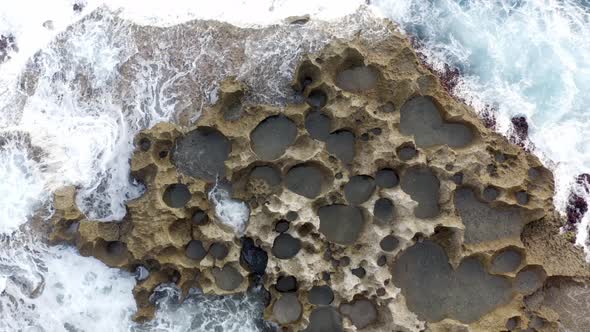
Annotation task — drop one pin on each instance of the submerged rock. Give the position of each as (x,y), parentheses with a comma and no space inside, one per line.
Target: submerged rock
(253,257)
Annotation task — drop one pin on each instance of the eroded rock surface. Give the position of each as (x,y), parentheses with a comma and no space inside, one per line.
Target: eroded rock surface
(376,203)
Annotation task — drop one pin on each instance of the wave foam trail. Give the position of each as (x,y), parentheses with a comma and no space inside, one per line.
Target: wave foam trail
(56,289)
(202,313)
(521,58)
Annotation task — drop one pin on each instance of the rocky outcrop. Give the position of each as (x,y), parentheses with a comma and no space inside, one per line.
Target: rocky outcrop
(379,203)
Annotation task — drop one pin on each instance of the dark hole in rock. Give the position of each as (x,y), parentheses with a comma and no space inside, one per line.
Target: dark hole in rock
(174,276)
(317,98)
(383,211)
(406,153)
(328,254)
(499,157)
(285,246)
(199,218)
(344,261)
(485,223)
(287,309)
(291,216)
(357,78)
(227,278)
(492,170)
(145,144)
(116,248)
(176,195)
(365,137)
(533,173)
(307,74)
(202,153)
(359,272)
(490,193)
(195,250)
(537,323)
(320,295)
(506,261)
(324,319)
(218,250)
(282,226)
(359,189)
(286,284)
(338,175)
(382,260)
(72,228)
(423,186)
(326,276)
(305,82)
(529,279)
(252,257)
(386,178)
(449,167)
(268,174)
(306,180)
(513,323)
(380,291)
(388,107)
(163,154)
(271,138)
(233,111)
(340,224)
(522,198)
(389,243)
(376,131)
(421,118)
(305,229)
(457,178)
(360,312)
(341,144)
(434,290)
(318,125)
(153,265)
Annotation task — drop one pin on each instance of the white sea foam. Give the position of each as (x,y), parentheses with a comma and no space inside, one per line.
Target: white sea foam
(55,289)
(18,170)
(230,212)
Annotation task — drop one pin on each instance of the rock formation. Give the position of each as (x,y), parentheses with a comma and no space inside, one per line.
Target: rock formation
(379,203)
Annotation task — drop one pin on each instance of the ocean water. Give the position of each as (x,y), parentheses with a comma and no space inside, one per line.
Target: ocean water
(519,57)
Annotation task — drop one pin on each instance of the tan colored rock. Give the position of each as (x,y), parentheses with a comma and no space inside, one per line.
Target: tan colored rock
(445,159)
